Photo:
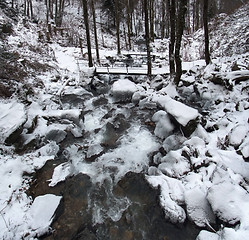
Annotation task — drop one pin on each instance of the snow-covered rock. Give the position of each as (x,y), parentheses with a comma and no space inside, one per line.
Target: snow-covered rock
(186,116)
(174,164)
(172,195)
(163,125)
(229,202)
(123,89)
(12,118)
(198,208)
(237,134)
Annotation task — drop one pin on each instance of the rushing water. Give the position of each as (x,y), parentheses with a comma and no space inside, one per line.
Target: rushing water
(106,196)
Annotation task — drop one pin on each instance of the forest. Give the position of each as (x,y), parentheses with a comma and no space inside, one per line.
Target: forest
(124,119)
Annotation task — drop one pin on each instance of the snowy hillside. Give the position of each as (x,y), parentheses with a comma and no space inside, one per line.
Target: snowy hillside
(86,156)
(229,35)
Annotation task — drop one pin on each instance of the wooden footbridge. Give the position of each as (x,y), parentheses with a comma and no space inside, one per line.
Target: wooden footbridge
(128,64)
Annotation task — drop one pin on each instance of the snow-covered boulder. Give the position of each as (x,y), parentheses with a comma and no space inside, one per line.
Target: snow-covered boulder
(198,208)
(183,114)
(163,125)
(237,134)
(123,89)
(229,202)
(174,164)
(12,118)
(172,195)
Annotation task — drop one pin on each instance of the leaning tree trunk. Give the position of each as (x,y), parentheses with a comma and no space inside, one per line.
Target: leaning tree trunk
(85,11)
(205,24)
(172,18)
(147,36)
(179,32)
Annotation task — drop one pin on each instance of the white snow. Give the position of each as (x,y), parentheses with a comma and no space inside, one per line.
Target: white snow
(124,85)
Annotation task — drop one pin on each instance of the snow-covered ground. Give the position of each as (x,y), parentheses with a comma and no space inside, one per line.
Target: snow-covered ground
(202,175)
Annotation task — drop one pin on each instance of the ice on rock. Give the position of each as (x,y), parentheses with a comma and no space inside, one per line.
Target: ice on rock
(94,149)
(173,142)
(163,124)
(61,172)
(230,203)
(174,164)
(198,208)
(172,194)
(42,212)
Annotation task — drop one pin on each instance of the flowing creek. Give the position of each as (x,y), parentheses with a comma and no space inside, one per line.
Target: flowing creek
(106,195)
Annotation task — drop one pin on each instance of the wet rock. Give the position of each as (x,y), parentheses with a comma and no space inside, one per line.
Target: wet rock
(98,86)
(114,131)
(100,101)
(157,83)
(145,218)
(6,28)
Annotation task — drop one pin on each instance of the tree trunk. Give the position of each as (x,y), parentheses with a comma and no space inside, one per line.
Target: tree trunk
(172,10)
(179,32)
(152,13)
(129,23)
(147,37)
(117,25)
(95,31)
(85,12)
(163,20)
(205,24)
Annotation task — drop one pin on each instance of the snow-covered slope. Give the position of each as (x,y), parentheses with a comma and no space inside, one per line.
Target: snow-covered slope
(229,34)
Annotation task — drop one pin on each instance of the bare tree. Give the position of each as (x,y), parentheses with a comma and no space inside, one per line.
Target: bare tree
(85,13)
(206,34)
(180,24)
(117,25)
(172,19)
(147,37)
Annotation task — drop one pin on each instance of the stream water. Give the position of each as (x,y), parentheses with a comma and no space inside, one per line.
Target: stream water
(107,195)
